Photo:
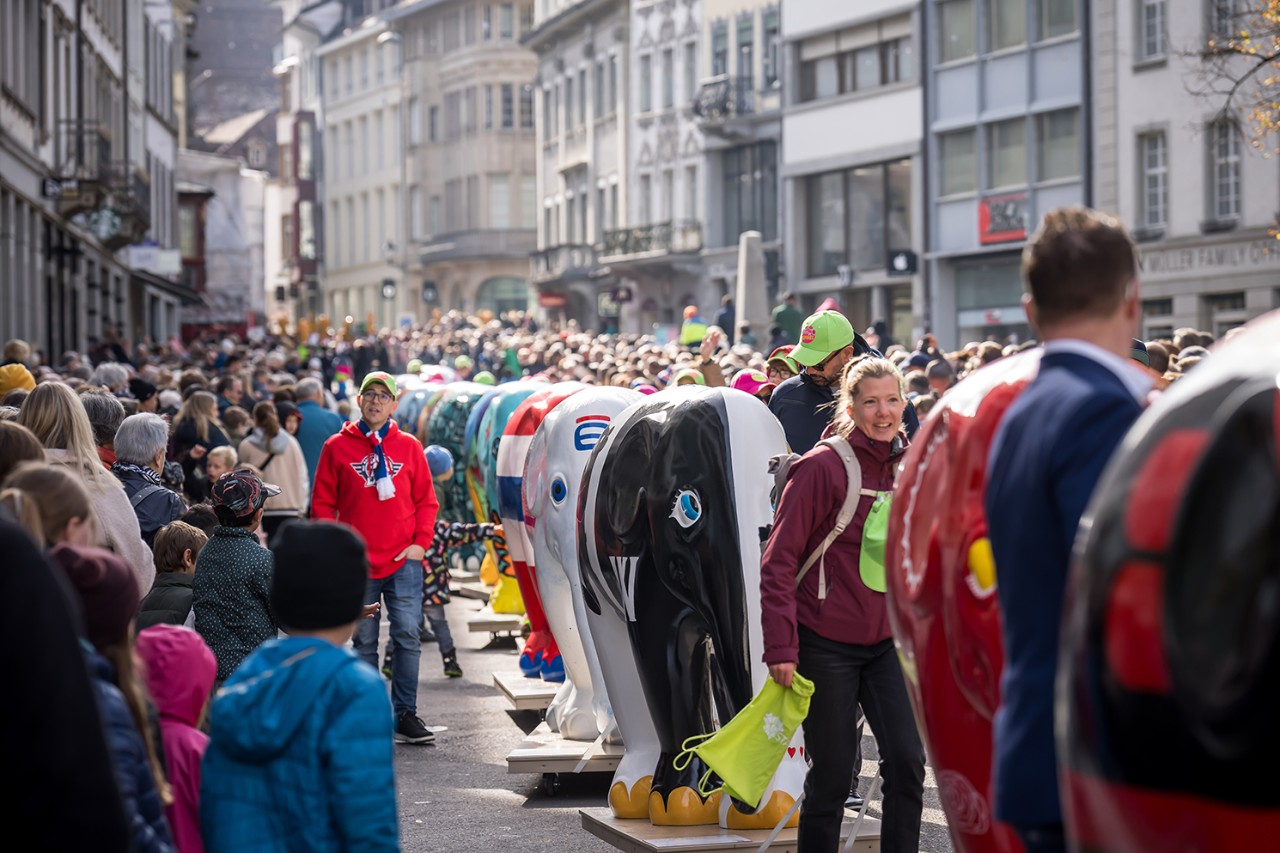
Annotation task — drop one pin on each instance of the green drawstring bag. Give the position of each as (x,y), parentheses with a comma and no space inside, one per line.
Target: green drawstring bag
(875,532)
(747,750)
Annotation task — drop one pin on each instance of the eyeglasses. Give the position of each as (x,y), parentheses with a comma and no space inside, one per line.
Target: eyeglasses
(378,397)
(822,365)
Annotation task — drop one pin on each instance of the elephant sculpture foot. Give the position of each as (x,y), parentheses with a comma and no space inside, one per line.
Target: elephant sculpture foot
(766,816)
(631,804)
(552,669)
(505,597)
(488,571)
(684,806)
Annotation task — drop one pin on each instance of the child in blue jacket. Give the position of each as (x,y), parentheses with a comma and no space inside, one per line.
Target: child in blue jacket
(300,746)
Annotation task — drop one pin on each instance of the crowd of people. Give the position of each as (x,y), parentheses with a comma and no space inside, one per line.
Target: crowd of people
(225,518)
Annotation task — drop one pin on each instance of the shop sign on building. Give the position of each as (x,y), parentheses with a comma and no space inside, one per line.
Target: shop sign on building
(1002,218)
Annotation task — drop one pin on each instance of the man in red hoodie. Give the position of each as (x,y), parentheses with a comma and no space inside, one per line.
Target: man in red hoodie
(375,478)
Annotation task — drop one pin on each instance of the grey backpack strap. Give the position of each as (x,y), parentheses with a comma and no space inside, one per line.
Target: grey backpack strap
(853,493)
(142,494)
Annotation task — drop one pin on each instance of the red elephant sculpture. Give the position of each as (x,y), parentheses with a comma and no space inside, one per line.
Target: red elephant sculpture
(1169,682)
(942,596)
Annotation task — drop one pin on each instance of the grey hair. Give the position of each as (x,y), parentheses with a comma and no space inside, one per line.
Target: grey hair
(111,375)
(141,437)
(105,415)
(309,389)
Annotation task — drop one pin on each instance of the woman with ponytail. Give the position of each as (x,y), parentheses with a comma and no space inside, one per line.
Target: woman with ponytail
(109,598)
(277,454)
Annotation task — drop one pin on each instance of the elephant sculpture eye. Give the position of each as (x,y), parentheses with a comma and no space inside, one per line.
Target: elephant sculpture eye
(559,490)
(687,508)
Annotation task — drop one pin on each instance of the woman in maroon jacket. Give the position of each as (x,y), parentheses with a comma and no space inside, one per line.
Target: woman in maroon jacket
(837,633)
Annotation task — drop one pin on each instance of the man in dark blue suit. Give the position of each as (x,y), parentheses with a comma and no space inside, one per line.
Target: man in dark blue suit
(1080,271)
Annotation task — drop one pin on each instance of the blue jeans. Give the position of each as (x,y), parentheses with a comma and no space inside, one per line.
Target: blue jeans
(434,613)
(401,592)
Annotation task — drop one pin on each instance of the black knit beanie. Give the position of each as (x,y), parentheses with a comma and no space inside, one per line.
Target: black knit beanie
(319,577)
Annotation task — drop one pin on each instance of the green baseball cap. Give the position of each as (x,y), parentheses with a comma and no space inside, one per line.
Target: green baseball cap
(821,335)
(379,377)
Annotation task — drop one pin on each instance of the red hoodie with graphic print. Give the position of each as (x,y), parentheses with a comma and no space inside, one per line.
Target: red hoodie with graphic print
(345,491)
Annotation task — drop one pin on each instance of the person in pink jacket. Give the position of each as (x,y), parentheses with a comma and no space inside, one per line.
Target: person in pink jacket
(180,670)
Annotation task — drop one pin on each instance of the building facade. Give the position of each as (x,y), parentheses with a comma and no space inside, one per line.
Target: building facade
(294,239)
(737,103)
(363,177)
(470,211)
(1179,168)
(582,183)
(852,160)
(221,207)
(655,255)
(86,153)
(1007,118)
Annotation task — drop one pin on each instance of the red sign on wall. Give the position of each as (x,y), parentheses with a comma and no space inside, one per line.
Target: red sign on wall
(1002,218)
(552,300)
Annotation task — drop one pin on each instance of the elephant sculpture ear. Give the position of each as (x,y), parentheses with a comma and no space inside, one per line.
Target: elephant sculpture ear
(611,504)
(1223,580)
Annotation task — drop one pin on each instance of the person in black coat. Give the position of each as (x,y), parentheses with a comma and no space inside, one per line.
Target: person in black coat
(108,593)
(52,742)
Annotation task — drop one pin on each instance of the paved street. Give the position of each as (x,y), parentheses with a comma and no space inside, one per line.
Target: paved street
(457,795)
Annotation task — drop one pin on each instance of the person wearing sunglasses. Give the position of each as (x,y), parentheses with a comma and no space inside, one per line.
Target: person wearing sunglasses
(804,403)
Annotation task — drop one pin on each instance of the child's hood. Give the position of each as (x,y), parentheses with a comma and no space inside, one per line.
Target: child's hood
(259,710)
(180,670)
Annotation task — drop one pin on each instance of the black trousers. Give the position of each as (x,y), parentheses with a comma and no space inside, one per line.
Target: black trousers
(845,676)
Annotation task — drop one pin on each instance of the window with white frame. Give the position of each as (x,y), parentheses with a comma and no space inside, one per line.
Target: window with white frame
(1153,158)
(415,122)
(1151,29)
(1224,138)
(506,21)
(500,201)
(416,209)
(646,83)
(526,106)
(690,71)
(772,45)
(1227,18)
(668,79)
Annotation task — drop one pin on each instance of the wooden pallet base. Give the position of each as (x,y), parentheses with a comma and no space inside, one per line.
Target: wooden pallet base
(474,590)
(486,621)
(545,751)
(525,694)
(640,836)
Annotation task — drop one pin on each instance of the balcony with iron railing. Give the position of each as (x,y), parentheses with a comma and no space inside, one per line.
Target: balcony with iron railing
(674,237)
(559,263)
(723,97)
(82,168)
(130,200)
(732,107)
(476,245)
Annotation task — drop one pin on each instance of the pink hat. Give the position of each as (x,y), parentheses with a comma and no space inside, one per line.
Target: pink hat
(645,388)
(751,381)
